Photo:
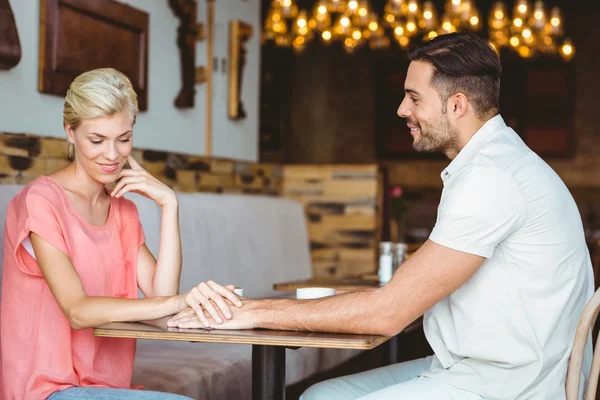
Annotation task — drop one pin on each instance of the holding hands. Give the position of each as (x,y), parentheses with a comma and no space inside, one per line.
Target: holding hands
(208,304)
(242,318)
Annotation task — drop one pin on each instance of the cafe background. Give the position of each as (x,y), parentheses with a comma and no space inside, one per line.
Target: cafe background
(341,108)
(225,110)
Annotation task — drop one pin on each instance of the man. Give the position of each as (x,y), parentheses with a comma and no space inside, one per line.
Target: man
(504,276)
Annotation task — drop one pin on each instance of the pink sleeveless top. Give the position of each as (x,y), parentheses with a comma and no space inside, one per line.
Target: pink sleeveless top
(41,354)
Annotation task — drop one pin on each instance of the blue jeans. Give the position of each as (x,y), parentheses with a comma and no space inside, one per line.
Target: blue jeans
(98,393)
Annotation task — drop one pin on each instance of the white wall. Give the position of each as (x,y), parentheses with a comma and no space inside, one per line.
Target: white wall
(162,127)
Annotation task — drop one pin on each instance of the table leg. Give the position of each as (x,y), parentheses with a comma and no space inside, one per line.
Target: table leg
(268,372)
(390,349)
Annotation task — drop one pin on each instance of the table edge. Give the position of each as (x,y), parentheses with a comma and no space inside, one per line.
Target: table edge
(368,344)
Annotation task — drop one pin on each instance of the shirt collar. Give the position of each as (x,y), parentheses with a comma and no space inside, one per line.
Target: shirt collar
(473,145)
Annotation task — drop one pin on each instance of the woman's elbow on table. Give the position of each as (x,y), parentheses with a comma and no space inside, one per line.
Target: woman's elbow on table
(80,316)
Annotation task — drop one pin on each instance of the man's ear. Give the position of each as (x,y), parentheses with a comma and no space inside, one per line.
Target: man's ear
(458,104)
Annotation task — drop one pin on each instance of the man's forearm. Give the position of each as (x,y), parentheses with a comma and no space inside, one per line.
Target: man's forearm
(362,312)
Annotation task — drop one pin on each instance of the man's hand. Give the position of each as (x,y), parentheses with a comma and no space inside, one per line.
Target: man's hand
(242,318)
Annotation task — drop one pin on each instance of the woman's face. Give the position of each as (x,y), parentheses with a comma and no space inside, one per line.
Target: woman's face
(102,145)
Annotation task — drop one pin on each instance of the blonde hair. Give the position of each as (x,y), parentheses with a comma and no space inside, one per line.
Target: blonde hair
(98,93)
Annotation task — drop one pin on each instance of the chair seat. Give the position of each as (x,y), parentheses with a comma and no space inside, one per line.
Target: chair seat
(206,371)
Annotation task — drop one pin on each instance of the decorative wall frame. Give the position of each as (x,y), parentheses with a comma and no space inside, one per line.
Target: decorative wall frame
(187,34)
(239,33)
(10,45)
(79,35)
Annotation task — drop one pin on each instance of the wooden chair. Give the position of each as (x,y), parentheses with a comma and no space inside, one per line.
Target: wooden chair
(586,322)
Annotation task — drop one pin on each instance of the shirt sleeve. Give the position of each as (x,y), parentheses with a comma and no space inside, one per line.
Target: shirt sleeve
(35,210)
(478,211)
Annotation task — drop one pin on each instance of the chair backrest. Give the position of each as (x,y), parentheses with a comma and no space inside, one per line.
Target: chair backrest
(245,240)
(586,322)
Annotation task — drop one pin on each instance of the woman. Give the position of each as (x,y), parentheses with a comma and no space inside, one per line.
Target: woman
(74,258)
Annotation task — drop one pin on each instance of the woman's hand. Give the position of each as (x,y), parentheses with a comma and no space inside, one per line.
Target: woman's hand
(138,180)
(208,299)
(242,319)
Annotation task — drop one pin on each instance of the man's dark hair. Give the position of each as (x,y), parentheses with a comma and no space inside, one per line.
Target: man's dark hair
(463,63)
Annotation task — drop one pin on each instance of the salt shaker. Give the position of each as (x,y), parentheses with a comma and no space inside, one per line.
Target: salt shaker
(399,254)
(386,262)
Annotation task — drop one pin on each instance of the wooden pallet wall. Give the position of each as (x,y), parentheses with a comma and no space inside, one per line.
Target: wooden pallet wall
(26,157)
(343,206)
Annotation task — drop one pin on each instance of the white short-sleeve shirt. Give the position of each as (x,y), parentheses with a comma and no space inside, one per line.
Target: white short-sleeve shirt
(507,332)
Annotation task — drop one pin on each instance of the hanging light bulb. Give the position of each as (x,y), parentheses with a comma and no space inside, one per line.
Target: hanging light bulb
(547,45)
(321,7)
(349,45)
(403,41)
(446,25)
(302,20)
(475,22)
(537,19)
(453,7)
(498,18)
(299,44)
(361,17)
(521,9)
(411,27)
(528,37)
(567,50)
(412,8)
(525,51)
(429,20)
(342,27)
(555,26)
(373,24)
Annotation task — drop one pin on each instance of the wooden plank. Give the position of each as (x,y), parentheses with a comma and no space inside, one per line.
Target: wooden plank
(221,166)
(351,188)
(342,222)
(258,337)
(362,256)
(360,210)
(328,172)
(314,188)
(54,148)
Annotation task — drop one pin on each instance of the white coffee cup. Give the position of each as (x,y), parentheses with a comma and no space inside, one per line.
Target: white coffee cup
(239,291)
(314,292)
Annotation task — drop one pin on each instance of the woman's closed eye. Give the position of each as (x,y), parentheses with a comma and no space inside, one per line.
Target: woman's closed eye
(98,141)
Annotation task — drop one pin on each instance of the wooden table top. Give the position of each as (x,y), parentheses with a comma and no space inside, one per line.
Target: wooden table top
(337,284)
(159,331)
